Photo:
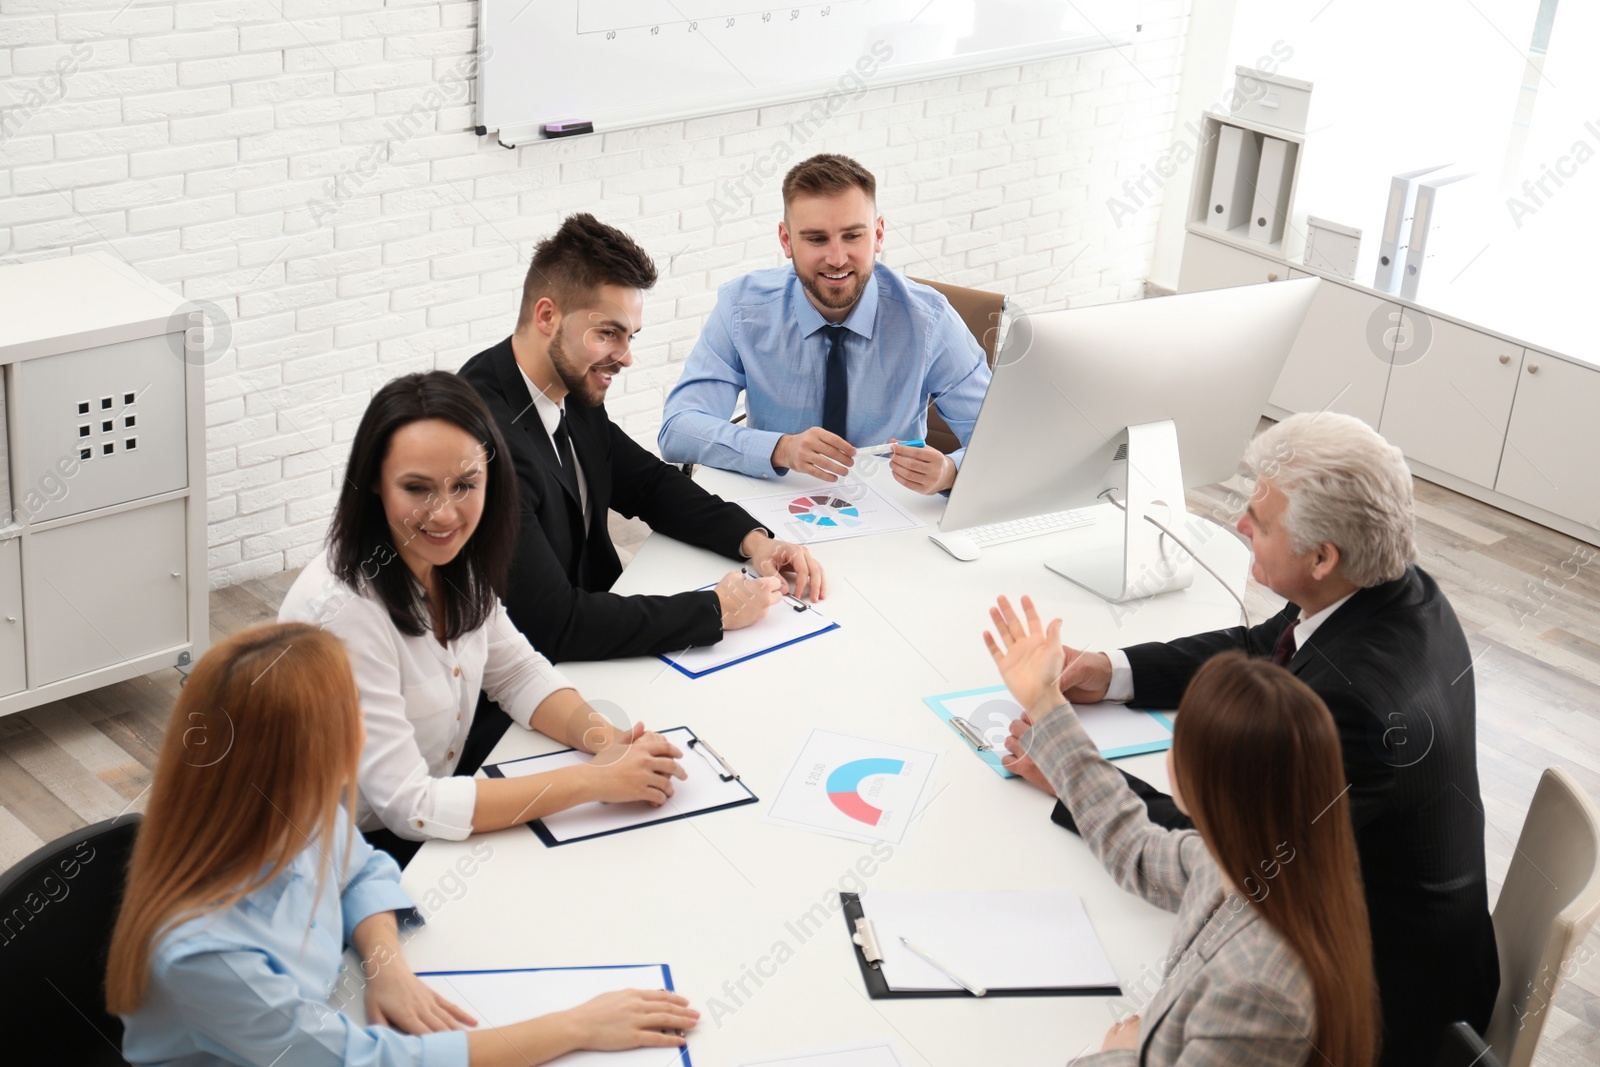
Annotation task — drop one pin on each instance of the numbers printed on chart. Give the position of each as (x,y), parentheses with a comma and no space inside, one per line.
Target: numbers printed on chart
(727,22)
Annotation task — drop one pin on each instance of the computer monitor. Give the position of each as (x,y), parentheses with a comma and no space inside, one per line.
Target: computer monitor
(1109,397)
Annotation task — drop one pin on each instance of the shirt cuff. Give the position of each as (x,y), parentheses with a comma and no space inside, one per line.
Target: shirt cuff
(368,897)
(453,799)
(755,453)
(446,1048)
(1121,688)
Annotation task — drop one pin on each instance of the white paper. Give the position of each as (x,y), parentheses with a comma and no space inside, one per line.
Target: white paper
(702,789)
(1112,727)
(829,513)
(874,1054)
(1015,939)
(500,998)
(781,625)
(857,788)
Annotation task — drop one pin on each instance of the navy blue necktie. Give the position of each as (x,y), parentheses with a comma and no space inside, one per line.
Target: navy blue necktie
(836,397)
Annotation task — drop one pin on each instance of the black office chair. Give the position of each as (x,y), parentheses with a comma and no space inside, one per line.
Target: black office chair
(57,909)
(1462,1047)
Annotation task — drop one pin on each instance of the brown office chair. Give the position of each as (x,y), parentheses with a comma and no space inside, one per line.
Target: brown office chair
(982,312)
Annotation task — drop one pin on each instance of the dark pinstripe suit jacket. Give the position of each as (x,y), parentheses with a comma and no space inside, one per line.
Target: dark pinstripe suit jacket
(1394,669)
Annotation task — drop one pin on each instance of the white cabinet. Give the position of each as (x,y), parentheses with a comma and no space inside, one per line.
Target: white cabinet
(1209,264)
(13,667)
(102,554)
(1340,360)
(1553,440)
(1450,397)
(116,412)
(106,591)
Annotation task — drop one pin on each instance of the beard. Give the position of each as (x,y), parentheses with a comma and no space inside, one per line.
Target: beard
(836,300)
(574,374)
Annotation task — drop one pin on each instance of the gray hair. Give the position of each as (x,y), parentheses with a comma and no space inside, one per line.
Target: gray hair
(1345,485)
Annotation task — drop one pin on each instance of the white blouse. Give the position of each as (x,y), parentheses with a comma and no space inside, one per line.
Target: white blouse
(418,698)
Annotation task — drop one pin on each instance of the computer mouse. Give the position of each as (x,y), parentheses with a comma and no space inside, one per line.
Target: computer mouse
(958,545)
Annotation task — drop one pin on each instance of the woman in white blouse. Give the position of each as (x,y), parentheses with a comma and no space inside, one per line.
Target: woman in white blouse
(417,556)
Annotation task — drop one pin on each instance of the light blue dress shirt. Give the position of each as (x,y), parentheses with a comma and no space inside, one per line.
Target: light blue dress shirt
(250,984)
(904,343)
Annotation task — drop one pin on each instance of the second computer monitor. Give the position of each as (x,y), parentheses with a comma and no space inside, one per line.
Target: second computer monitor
(1068,384)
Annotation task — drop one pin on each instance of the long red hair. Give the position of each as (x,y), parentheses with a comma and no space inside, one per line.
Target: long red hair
(1256,758)
(265,736)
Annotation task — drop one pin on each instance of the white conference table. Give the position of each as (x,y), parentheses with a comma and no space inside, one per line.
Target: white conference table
(714,895)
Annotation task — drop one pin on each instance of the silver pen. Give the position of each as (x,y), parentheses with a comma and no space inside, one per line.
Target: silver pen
(793,601)
(970,987)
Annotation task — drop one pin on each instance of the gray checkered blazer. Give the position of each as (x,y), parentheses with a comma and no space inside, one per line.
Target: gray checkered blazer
(1233,993)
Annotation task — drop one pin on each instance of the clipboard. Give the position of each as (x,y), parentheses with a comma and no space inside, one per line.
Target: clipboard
(783,625)
(869,958)
(956,709)
(712,785)
(504,995)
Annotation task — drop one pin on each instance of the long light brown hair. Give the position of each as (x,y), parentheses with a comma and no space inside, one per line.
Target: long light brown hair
(263,739)
(1256,758)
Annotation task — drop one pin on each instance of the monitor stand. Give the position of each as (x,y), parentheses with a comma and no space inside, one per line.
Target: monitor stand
(1147,561)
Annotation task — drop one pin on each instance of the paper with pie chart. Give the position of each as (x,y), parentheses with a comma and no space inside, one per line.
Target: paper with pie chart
(829,513)
(857,788)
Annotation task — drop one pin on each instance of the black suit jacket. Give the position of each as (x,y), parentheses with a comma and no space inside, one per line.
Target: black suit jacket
(1394,669)
(559,580)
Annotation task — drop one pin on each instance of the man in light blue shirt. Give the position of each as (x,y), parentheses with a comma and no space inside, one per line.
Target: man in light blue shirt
(837,354)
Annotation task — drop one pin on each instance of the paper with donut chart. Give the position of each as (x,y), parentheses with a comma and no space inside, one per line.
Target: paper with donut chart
(705,789)
(857,788)
(500,998)
(829,513)
(1035,940)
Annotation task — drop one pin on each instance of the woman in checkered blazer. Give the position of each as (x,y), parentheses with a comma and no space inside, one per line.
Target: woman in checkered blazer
(1271,965)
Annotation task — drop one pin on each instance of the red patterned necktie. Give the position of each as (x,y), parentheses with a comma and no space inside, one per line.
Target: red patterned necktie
(1284,652)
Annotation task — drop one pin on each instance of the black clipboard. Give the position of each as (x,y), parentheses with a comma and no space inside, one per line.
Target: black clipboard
(492,770)
(878,986)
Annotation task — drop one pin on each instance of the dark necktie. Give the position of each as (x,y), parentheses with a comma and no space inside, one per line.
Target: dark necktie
(1284,652)
(836,397)
(569,473)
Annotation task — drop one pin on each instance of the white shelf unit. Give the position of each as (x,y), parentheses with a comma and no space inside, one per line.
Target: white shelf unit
(1289,232)
(103,564)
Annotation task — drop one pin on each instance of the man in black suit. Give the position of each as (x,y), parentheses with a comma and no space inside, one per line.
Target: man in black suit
(582,304)
(1331,527)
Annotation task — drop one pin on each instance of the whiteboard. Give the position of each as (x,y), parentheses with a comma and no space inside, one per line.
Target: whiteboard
(622,63)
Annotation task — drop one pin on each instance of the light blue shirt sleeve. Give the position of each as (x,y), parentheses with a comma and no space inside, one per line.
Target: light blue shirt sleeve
(958,377)
(695,426)
(240,1010)
(373,886)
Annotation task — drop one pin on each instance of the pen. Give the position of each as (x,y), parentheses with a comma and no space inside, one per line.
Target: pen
(884,450)
(794,602)
(975,990)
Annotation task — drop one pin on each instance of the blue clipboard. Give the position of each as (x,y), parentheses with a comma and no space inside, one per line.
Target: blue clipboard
(688,672)
(666,978)
(992,758)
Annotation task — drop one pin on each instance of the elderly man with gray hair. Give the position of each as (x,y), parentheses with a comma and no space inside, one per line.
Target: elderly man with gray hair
(1330,523)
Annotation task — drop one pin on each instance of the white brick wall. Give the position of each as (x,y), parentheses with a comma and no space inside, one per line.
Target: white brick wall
(309,166)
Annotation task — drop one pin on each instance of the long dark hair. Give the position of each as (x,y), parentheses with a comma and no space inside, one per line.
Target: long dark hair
(1256,757)
(361,552)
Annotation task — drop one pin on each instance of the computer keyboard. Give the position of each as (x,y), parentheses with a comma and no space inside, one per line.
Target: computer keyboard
(997,533)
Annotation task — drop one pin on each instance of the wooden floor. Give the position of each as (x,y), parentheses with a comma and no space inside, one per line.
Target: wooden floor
(1529,599)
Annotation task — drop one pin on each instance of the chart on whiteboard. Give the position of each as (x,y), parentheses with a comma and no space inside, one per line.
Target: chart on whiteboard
(616,63)
(616,16)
